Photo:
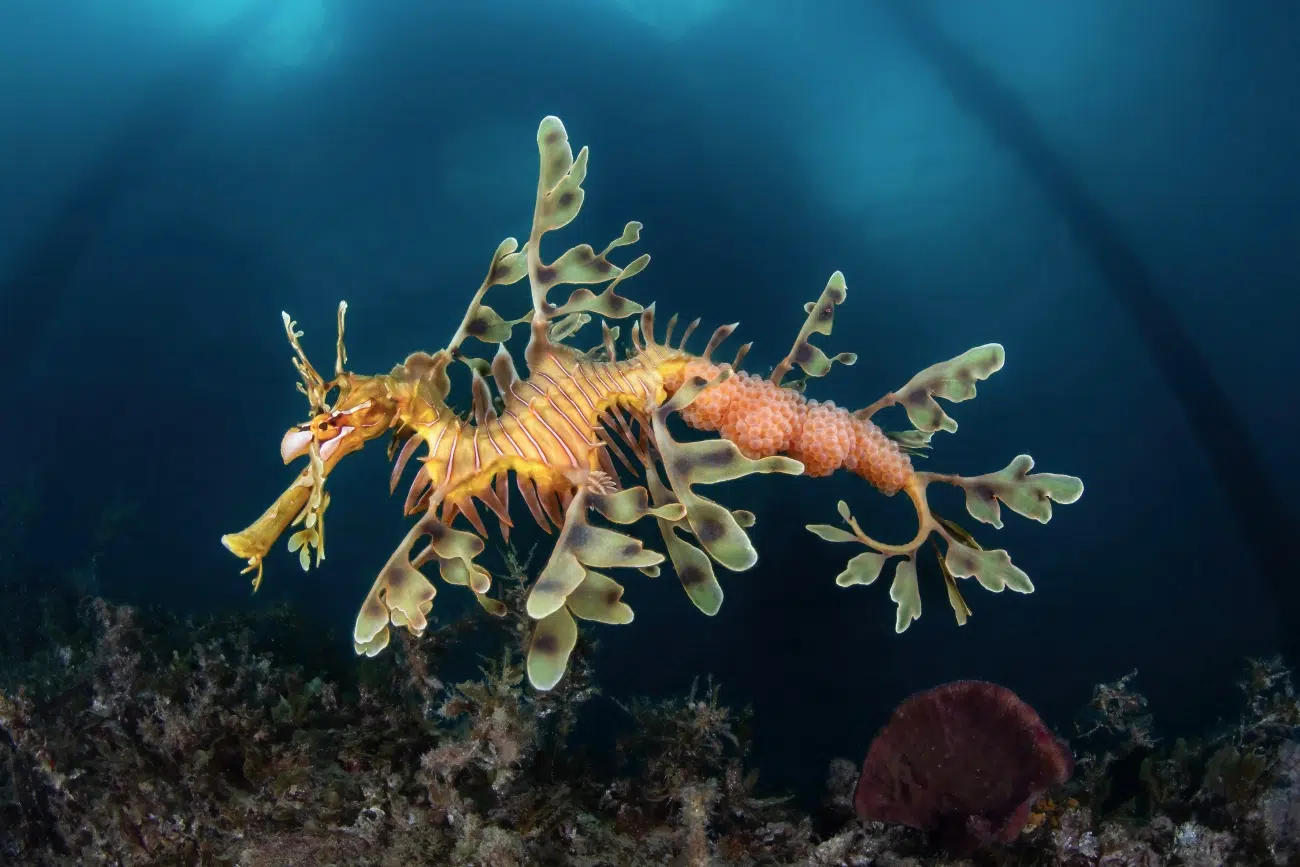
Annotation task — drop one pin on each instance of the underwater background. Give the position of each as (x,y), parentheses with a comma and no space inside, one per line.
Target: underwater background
(1108,189)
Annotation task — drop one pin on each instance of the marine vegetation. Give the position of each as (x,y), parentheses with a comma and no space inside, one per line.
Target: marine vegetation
(134,737)
(580,415)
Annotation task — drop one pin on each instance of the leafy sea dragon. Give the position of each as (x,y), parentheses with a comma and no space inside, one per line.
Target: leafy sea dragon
(582,422)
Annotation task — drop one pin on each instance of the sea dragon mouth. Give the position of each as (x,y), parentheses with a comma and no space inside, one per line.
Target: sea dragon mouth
(331,431)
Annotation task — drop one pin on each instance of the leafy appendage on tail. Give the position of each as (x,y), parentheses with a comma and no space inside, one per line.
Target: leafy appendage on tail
(1027,494)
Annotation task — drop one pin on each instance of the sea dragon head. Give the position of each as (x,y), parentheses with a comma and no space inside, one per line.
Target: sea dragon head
(364,407)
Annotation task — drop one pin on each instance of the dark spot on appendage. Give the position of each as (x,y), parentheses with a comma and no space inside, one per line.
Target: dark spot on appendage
(616,303)
(682,467)
(612,596)
(803,353)
(631,549)
(691,576)
(836,296)
(717,456)
(546,274)
(603,266)
(579,535)
(983,492)
(826,313)
(548,587)
(499,271)
(566,199)
(476,327)
(553,137)
(547,645)
(709,530)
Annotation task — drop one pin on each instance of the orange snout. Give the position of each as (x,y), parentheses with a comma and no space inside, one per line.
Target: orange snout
(338,432)
(325,429)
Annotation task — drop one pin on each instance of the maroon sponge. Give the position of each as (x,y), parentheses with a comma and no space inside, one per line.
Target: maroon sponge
(967,759)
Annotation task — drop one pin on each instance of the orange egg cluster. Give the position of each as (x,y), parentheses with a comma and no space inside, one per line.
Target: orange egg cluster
(764,419)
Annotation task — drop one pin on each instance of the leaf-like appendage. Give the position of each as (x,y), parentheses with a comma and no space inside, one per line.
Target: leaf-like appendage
(581,545)
(560,577)
(693,567)
(821,316)
(426,374)
(487,325)
(913,442)
(1026,494)
(564,201)
(581,265)
(555,151)
(402,596)
(631,234)
(450,543)
(559,198)
(560,192)
(993,569)
(953,380)
(303,542)
(608,303)
(959,607)
(905,592)
(495,607)
(831,534)
(554,638)
(509,263)
(865,568)
(608,549)
(631,505)
(599,598)
(456,571)
(562,329)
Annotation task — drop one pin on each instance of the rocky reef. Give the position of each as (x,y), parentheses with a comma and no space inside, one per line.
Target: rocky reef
(133,737)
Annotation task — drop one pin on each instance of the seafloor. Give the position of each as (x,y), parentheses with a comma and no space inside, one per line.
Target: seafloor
(131,737)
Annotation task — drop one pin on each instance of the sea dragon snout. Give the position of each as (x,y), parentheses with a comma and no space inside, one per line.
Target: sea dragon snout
(366,410)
